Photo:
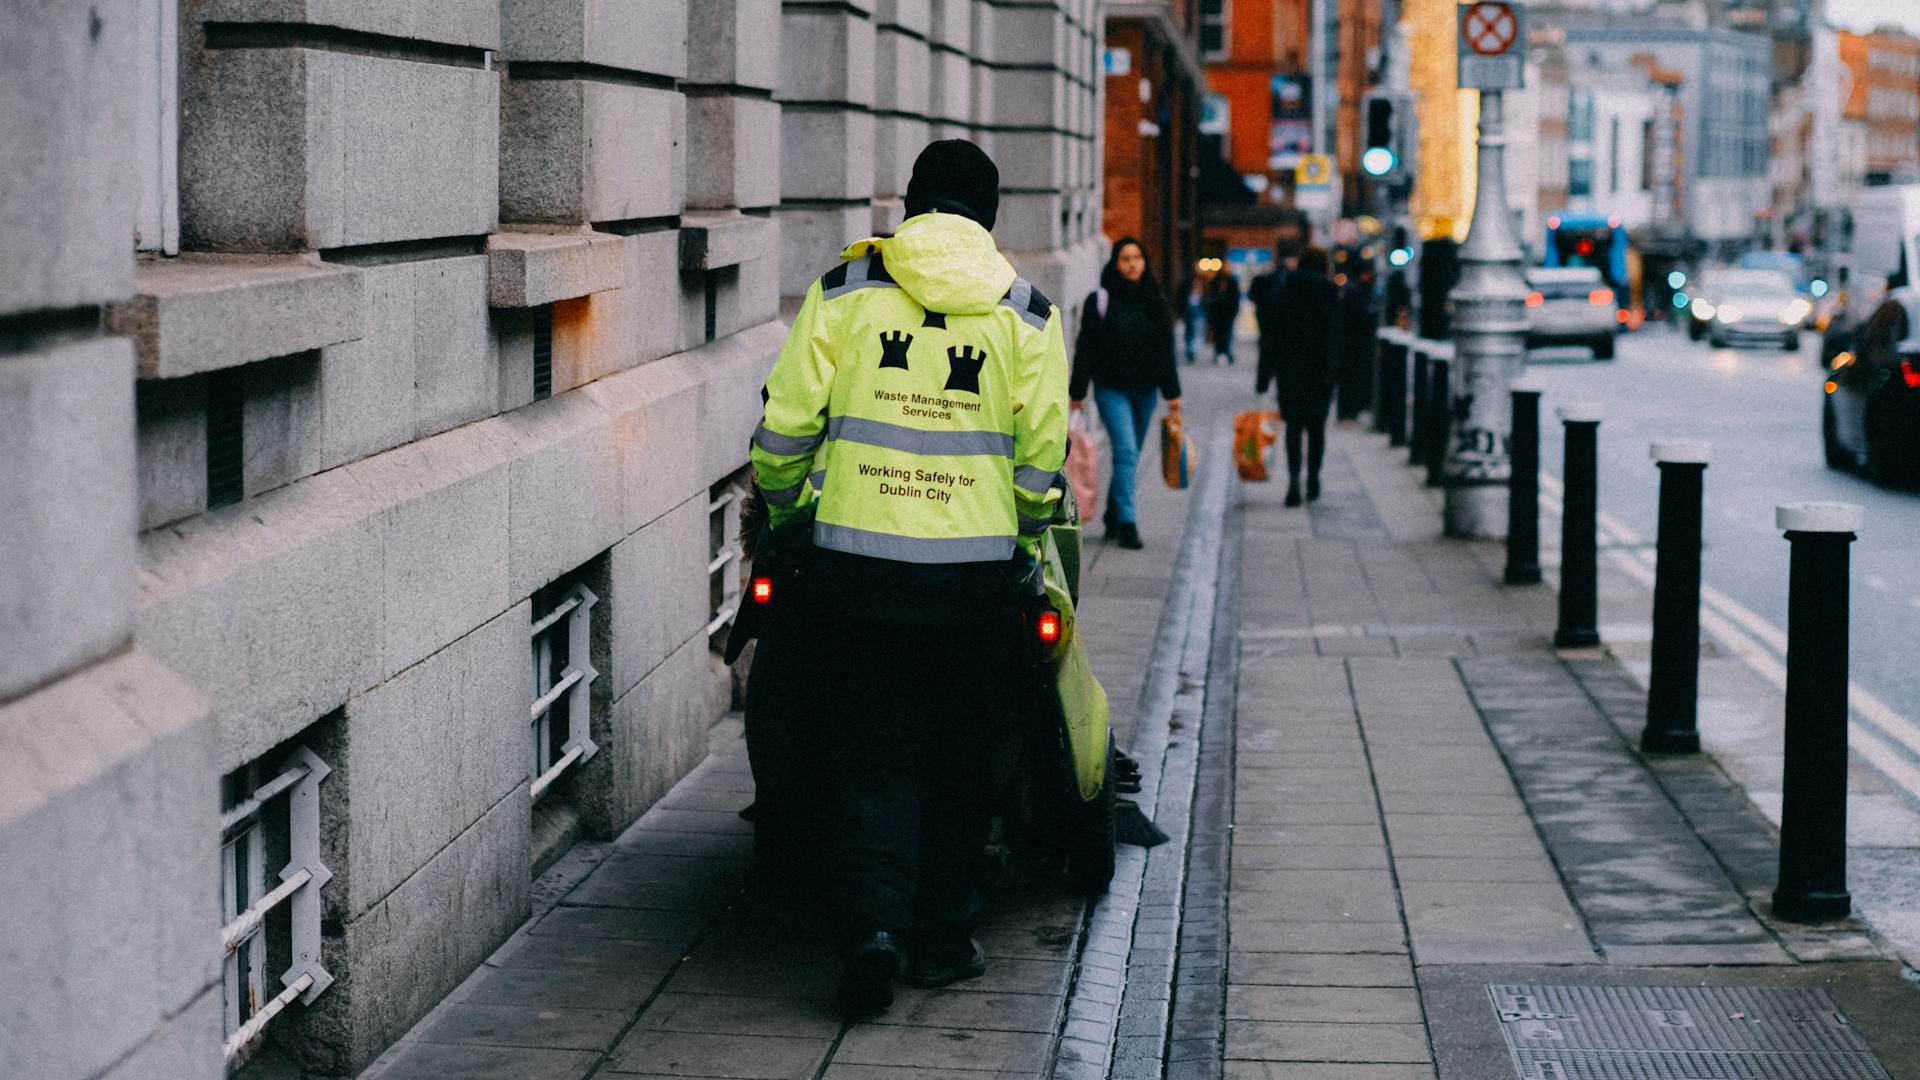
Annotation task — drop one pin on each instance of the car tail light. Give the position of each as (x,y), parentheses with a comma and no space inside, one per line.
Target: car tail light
(1535,299)
(1048,627)
(1622,316)
(1909,376)
(762,590)
(1832,386)
(1599,297)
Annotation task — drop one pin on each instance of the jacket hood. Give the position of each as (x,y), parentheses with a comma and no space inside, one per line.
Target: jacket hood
(946,262)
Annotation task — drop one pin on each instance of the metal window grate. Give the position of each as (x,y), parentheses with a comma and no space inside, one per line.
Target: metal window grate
(226,444)
(724,557)
(246,900)
(562,679)
(543,353)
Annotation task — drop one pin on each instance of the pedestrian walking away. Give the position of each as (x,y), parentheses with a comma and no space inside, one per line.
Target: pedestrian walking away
(1125,352)
(1223,307)
(1264,291)
(1359,322)
(932,382)
(1301,361)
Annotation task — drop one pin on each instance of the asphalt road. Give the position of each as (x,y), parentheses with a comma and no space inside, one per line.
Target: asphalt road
(1760,408)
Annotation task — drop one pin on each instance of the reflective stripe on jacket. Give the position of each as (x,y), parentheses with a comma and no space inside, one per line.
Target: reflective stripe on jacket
(919,407)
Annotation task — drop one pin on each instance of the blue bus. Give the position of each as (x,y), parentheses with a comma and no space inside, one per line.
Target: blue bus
(1593,240)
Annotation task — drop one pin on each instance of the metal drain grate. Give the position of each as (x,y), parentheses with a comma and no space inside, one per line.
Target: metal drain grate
(1679,1033)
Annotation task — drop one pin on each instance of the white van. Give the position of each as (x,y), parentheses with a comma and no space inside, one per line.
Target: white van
(1885,246)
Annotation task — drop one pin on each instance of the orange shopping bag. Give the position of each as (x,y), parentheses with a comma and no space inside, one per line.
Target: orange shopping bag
(1177,459)
(1254,433)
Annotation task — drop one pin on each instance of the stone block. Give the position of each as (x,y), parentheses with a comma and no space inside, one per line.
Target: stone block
(826,55)
(66,436)
(758,299)
(272,608)
(67,177)
(511,342)
(811,239)
(111,762)
(528,269)
(710,241)
(734,43)
(578,151)
(897,140)
(171,455)
(201,313)
(656,413)
(423,366)
(598,335)
(985,42)
(187,1046)
(949,86)
(398,960)
(1033,159)
(950,24)
(730,377)
(660,592)
(733,151)
(1037,36)
(1031,221)
(980,92)
(272,390)
(827,153)
(660,730)
(424,756)
(1032,99)
(647,36)
(900,76)
(565,494)
(293,149)
(473,23)
(913,16)
(439,513)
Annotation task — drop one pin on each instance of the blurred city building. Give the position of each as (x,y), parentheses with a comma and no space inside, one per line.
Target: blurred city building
(371,530)
(1883,94)
(1155,91)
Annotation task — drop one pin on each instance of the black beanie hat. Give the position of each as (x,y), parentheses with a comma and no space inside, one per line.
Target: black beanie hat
(954,176)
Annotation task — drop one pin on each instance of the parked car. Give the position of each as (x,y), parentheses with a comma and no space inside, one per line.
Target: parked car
(1571,306)
(1743,307)
(1871,418)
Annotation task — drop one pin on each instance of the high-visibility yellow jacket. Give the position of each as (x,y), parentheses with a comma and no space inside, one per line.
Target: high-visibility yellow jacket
(919,407)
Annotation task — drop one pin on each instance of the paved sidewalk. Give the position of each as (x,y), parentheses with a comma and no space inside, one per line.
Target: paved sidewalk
(1404,828)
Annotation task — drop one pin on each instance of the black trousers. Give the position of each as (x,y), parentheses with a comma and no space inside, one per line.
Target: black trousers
(922,744)
(1306,417)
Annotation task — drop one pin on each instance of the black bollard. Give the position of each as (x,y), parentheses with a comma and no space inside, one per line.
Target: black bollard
(1813,808)
(1523,491)
(1579,527)
(1439,417)
(1673,689)
(1390,414)
(1416,439)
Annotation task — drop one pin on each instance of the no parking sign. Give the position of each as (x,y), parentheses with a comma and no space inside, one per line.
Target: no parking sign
(1492,45)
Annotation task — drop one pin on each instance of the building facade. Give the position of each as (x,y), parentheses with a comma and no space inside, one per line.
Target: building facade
(1883,96)
(1154,88)
(375,388)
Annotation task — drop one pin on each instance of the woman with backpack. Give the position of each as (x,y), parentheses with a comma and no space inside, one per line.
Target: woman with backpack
(1125,351)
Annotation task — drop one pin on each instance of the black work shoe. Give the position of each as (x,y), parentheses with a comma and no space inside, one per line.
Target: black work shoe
(1129,536)
(1293,495)
(943,965)
(1313,488)
(866,975)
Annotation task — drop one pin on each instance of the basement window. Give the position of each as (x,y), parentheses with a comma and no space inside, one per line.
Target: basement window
(725,556)
(563,676)
(543,352)
(226,443)
(270,817)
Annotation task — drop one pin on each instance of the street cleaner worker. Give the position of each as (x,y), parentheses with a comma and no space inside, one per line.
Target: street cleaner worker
(915,424)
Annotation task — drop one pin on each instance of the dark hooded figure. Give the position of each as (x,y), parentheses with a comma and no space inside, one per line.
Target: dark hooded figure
(1302,362)
(1358,324)
(1125,350)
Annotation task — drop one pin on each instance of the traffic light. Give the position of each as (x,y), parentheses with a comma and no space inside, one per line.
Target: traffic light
(1401,251)
(1379,158)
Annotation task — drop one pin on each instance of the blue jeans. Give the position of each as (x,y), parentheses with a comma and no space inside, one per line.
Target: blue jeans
(1126,414)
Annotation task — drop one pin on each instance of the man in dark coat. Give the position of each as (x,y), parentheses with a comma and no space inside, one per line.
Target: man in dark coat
(1223,306)
(1306,309)
(1265,290)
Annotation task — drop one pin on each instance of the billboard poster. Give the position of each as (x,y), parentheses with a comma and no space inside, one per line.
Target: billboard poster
(1292,121)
